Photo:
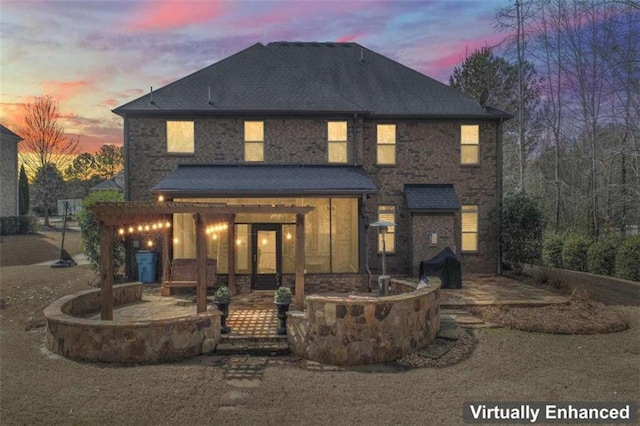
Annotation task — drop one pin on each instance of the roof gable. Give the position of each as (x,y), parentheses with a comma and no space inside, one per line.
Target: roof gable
(8,134)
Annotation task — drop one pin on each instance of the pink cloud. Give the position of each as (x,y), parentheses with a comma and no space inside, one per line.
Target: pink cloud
(169,14)
(63,91)
(350,37)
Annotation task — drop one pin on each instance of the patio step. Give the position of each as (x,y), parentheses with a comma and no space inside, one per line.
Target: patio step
(243,345)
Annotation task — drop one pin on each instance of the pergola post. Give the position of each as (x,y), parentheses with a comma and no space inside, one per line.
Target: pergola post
(231,254)
(299,297)
(165,255)
(201,261)
(106,271)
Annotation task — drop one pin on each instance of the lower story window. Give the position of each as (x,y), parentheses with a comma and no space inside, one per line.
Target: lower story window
(387,214)
(470,228)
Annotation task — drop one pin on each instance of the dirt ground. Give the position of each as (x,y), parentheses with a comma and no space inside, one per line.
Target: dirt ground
(37,387)
(37,248)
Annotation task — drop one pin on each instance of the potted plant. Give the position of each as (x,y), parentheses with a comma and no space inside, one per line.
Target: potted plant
(282,298)
(222,298)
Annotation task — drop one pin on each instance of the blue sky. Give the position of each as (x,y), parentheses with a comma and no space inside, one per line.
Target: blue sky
(93,56)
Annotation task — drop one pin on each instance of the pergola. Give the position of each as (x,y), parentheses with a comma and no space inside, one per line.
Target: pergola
(111,215)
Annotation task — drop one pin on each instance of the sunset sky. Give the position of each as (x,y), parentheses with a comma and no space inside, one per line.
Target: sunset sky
(93,56)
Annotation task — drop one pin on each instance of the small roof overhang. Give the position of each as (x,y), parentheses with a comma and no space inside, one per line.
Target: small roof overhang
(262,180)
(431,198)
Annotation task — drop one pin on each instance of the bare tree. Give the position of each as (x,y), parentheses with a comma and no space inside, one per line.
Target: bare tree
(44,141)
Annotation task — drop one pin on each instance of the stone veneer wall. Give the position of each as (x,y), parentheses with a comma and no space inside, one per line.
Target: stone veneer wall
(126,342)
(365,330)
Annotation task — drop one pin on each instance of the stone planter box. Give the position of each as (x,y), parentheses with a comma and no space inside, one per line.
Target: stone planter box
(147,341)
(347,330)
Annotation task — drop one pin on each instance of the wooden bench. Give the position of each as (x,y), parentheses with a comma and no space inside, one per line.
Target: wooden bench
(184,274)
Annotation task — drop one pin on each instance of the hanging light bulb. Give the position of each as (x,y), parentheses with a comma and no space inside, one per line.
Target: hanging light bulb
(139,227)
(168,225)
(154,226)
(215,236)
(146,227)
(264,241)
(150,243)
(121,231)
(130,229)
(160,198)
(238,241)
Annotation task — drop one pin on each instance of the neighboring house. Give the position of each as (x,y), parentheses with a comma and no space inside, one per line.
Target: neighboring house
(8,172)
(115,183)
(336,126)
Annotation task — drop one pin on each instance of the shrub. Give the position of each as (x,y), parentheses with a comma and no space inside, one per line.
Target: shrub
(574,252)
(24,224)
(91,231)
(521,230)
(628,259)
(222,295)
(283,295)
(601,257)
(552,250)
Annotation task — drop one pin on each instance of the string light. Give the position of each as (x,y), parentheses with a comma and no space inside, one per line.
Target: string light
(121,231)
(130,229)
(160,198)
(215,236)
(150,243)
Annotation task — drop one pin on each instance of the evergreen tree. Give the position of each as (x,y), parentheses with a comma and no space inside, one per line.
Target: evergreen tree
(23,192)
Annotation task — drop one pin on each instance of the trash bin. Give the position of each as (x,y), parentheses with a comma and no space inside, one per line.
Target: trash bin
(146,261)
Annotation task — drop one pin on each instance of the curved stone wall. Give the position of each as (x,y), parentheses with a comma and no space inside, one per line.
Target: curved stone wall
(147,341)
(348,330)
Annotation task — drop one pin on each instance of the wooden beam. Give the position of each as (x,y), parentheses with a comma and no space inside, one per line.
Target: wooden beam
(106,272)
(201,261)
(126,212)
(231,254)
(299,299)
(166,235)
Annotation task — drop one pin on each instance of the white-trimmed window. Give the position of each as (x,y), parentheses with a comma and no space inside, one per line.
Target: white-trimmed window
(387,213)
(180,137)
(470,144)
(337,141)
(254,141)
(470,228)
(386,136)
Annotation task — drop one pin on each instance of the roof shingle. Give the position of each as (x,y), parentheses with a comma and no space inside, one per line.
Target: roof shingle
(263,180)
(431,197)
(309,78)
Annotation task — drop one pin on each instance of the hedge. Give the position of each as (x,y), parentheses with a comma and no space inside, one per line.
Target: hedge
(24,224)
(574,252)
(552,250)
(628,259)
(601,257)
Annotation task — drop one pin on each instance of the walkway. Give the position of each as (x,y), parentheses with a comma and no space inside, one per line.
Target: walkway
(481,290)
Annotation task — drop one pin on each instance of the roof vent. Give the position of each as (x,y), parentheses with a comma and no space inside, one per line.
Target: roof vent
(151,95)
(210,101)
(362,54)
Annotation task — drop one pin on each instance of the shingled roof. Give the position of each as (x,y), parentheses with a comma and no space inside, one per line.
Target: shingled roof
(5,132)
(310,78)
(431,197)
(265,180)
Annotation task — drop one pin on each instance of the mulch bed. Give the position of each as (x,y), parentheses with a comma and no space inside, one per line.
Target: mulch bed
(579,316)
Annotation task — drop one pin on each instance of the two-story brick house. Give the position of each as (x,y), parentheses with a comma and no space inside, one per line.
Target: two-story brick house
(335,126)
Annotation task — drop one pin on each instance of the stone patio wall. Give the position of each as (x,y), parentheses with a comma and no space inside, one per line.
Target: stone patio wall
(356,330)
(148,341)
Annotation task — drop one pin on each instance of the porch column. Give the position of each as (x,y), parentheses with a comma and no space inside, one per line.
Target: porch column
(106,271)
(165,255)
(201,261)
(231,254)
(299,299)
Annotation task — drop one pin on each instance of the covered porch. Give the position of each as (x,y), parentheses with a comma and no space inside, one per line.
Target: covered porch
(116,218)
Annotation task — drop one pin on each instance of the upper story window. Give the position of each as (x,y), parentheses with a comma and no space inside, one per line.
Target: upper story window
(387,213)
(470,228)
(386,143)
(254,141)
(470,144)
(180,137)
(337,141)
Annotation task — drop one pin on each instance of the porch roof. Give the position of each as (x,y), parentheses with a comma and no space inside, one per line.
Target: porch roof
(431,197)
(118,213)
(265,180)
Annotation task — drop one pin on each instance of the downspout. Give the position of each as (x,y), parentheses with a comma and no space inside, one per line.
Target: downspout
(499,192)
(354,133)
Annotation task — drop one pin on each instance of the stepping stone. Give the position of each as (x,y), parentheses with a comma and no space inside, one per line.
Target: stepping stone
(448,334)
(233,397)
(437,349)
(447,323)
(469,320)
